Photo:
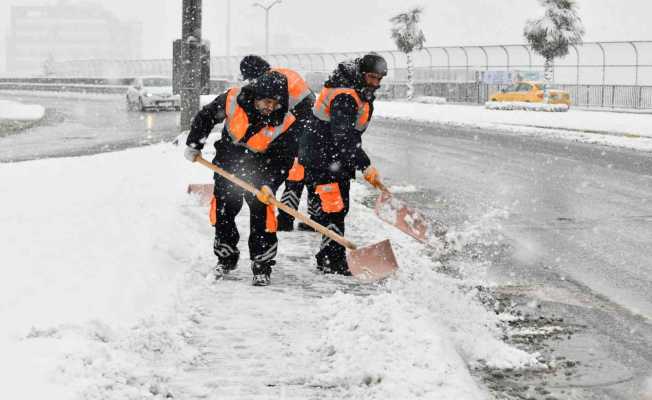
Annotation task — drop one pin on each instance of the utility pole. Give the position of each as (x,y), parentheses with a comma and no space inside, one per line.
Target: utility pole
(267,8)
(190,61)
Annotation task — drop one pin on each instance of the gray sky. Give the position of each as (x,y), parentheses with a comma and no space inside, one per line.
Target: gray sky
(347,25)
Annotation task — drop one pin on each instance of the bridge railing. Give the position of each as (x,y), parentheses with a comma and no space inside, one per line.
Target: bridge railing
(605,74)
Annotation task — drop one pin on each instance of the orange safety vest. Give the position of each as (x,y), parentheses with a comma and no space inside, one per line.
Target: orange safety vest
(237,123)
(322,108)
(297,172)
(298,89)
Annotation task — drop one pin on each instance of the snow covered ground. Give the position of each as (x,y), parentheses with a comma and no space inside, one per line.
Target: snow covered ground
(626,130)
(13,111)
(104,296)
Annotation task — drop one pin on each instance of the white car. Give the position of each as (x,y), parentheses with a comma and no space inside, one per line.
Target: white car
(152,93)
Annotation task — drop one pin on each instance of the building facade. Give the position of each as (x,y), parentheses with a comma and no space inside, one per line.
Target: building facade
(40,35)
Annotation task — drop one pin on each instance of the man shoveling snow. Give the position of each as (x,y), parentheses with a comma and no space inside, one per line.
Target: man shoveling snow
(253,146)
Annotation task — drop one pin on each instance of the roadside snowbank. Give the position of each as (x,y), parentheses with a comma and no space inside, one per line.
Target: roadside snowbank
(521,105)
(104,296)
(600,127)
(13,111)
(430,100)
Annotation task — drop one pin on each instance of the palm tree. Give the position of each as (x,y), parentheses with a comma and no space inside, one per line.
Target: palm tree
(408,37)
(551,35)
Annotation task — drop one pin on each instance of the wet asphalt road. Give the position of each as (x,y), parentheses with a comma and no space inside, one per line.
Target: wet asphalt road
(570,225)
(569,236)
(78,126)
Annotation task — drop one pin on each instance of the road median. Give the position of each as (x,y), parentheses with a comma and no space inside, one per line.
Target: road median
(16,116)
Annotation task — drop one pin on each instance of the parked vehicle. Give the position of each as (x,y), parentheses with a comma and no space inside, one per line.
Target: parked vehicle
(531,92)
(152,93)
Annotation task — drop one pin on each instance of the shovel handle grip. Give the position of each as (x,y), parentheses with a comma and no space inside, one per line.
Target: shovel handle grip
(296,214)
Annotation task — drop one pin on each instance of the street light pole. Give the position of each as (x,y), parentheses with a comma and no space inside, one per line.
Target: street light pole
(267,8)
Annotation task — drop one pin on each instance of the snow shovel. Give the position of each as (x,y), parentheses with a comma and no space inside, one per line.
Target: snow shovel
(368,264)
(396,212)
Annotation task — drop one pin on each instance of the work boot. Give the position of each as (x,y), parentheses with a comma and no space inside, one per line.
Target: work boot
(222,268)
(262,271)
(305,227)
(284,224)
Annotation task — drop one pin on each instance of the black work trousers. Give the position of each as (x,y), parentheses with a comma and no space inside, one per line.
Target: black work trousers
(229,200)
(331,255)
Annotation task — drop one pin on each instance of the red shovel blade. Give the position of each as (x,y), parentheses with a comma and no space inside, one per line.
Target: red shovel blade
(407,219)
(372,263)
(204,191)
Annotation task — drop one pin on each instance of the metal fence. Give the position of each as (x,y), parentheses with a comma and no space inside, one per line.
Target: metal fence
(604,74)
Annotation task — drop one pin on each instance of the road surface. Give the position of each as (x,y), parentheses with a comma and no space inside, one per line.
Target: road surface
(77,126)
(565,230)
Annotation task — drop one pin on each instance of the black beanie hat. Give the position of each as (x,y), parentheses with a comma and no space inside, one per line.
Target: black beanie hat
(270,85)
(252,66)
(373,63)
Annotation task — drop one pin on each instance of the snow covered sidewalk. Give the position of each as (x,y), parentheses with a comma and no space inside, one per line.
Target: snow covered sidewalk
(608,128)
(13,111)
(104,296)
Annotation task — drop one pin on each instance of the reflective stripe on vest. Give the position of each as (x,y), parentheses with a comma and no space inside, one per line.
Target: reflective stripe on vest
(237,124)
(322,108)
(297,87)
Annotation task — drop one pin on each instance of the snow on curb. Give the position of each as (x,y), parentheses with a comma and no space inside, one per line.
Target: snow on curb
(520,105)
(13,111)
(430,100)
(632,131)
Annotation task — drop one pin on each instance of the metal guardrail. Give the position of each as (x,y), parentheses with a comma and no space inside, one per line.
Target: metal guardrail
(604,63)
(63,87)
(611,96)
(602,74)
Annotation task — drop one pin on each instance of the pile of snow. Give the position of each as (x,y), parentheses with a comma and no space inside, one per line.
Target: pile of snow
(104,296)
(13,111)
(521,105)
(626,130)
(430,100)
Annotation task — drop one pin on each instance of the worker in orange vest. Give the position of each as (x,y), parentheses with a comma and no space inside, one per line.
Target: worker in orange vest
(333,152)
(254,146)
(301,100)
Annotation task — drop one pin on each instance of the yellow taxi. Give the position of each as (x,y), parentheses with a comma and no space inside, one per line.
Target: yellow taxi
(531,92)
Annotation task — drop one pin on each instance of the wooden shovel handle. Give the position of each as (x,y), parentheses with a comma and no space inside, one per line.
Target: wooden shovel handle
(296,214)
(383,188)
